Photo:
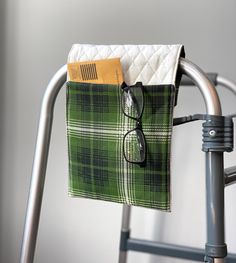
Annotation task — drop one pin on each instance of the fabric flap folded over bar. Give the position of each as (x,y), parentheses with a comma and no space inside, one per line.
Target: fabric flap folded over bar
(150,64)
(97,125)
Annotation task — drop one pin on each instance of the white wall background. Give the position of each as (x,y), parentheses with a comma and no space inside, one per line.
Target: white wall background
(35,39)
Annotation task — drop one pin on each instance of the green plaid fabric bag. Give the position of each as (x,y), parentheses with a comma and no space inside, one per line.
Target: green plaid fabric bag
(103,137)
(96,126)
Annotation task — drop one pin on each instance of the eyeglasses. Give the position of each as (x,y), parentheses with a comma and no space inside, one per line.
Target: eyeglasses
(134,144)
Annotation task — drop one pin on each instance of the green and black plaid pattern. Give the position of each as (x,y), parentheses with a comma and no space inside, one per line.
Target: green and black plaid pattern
(96,126)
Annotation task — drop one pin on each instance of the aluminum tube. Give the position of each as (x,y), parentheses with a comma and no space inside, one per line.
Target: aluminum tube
(185,81)
(215,198)
(125,227)
(230,175)
(214,178)
(168,250)
(230,180)
(39,166)
(207,89)
(229,84)
(122,257)
(171,250)
(214,167)
(126,218)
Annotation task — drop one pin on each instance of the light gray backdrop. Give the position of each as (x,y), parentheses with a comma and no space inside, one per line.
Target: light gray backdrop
(36,37)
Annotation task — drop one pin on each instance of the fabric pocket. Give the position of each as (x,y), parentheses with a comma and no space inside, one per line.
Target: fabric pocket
(96,126)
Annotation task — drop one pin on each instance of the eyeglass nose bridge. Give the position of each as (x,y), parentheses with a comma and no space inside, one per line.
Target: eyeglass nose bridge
(139,124)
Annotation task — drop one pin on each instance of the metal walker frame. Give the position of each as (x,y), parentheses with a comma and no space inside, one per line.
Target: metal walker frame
(215,181)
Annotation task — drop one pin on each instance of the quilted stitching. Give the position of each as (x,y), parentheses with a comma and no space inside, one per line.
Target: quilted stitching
(151,64)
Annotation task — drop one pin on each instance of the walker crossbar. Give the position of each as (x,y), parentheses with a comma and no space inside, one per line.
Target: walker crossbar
(186,81)
(215,78)
(230,175)
(215,246)
(170,250)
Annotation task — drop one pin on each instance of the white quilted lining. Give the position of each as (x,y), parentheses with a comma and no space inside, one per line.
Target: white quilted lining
(150,64)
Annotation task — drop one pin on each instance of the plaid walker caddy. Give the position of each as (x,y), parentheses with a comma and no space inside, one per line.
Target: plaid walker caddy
(119,142)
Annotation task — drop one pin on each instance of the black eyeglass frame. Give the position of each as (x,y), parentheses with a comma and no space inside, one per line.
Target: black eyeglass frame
(138,127)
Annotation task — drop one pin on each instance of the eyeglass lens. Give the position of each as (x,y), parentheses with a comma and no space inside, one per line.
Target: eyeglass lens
(134,146)
(132,102)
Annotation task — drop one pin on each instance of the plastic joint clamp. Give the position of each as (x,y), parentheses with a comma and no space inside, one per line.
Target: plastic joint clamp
(214,251)
(218,131)
(218,134)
